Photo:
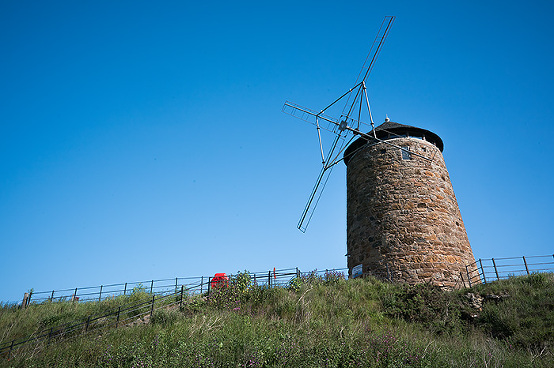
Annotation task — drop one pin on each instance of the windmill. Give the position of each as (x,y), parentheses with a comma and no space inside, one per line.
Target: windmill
(346,127)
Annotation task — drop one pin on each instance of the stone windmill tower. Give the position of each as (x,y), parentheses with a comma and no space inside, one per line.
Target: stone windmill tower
(403,220)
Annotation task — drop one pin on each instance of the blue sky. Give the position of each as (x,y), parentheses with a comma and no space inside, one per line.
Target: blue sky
(142,140)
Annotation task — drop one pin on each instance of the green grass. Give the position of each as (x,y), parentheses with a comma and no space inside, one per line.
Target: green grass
(18,323)
(317,322)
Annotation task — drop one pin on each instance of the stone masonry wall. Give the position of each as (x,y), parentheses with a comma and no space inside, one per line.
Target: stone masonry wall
(403,220)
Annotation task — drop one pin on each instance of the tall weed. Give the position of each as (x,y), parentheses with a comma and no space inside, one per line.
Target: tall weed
(322,323)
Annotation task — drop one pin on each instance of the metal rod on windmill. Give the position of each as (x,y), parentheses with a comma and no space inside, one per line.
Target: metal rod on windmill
(403,221)
(346,127)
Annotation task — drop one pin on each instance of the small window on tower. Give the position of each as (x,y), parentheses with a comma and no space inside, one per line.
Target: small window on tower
(406,154)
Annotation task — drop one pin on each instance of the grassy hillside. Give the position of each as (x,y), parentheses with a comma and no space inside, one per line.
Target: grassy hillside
(316,322)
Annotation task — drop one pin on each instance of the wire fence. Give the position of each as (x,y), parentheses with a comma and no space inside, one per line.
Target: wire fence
(115,317)
(168,292)
(492,269)
(194,285)
(98,293)
(481,271)
(162,294)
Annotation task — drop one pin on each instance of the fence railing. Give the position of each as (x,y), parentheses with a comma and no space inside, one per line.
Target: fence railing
(120,316)
(481,271)
(98,293)
(194,285)
(163,295)
(492,269)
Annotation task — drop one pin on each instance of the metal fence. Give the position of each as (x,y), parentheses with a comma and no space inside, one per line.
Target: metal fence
(162,293)
(168,292)
(98,293)
(492,269)
(481,271)
(115,317)
(194,285)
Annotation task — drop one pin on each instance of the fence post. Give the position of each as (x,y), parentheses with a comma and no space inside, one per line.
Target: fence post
(526,268)
(152,308)
(182,289)
(86,325)
(151,286)
(118,312)
(495,269)
(30,296)
(468,278)
(482,271)
(75,294)
(52,296)
(25,301)
(176,285)
(125,289)
(268,279)
(11,348)
(100,296)
(297,272)
(209,284)
(202,285)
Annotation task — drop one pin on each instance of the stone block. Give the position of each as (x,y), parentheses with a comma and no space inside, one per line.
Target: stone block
(408,209)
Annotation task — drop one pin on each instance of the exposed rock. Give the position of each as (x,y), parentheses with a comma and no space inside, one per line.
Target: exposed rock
(475,301)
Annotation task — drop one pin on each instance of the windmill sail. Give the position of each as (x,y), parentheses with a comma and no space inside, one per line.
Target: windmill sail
(314,198)
(313,117)
(345,128)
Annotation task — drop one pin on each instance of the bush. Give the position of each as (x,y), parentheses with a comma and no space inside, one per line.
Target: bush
(314,278)
(519,310)
(333,277)
(232,294)
(327,322)
(165,317)
(435,308)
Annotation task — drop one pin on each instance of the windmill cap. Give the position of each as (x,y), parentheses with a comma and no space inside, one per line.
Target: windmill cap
(388,128)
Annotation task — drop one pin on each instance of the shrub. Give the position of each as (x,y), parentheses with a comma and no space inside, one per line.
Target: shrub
(295,284)
(314,278)
(427,304)
(233,294)
(519,310)
(327,323)
(165,317)
(241,281)
(333,277)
